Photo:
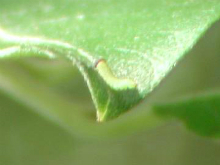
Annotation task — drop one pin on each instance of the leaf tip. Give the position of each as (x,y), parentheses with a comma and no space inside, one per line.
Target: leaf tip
(100,117)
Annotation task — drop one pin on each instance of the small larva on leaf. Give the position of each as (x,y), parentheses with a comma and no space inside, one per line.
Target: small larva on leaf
(116,83)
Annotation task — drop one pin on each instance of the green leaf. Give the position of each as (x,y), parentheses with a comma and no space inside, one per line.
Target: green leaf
(140,41)
(201,114)
(124,49)
(194,88)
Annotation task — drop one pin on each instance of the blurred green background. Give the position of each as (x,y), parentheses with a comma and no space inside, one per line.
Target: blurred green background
(27,138)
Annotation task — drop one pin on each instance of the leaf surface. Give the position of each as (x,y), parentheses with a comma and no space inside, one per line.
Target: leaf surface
(123,48)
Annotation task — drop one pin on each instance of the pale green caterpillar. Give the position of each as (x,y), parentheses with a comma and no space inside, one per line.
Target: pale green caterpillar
(114,82)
